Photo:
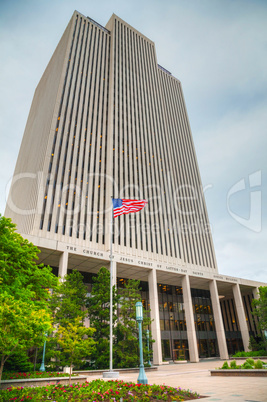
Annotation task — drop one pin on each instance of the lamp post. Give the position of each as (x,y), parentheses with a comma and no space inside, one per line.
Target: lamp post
(142,379)
(42,368)
(147,337)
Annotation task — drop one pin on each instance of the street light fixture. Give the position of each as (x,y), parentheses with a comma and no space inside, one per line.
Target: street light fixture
(142,379)
(147,337)
(42,368)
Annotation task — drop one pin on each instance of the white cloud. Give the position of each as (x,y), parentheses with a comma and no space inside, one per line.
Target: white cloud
(245,258)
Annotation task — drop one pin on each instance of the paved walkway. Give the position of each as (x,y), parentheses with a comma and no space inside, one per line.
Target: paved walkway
(196,377)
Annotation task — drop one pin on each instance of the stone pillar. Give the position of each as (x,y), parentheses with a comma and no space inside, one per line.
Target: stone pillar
(217,314)
(241,316)
(190,322)
(155,325)
(63,264)
(255,292)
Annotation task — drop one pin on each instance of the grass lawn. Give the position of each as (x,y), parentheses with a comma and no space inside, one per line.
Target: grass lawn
(98,390)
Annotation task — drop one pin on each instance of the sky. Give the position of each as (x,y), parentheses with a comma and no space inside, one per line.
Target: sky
(218,50)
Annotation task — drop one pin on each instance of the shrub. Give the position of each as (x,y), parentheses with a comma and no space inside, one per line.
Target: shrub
(241,354)
(246,366)
(253,344)
(19,361)
(233,365)
(250,361)
(258,364)
(225,366)
(251,354)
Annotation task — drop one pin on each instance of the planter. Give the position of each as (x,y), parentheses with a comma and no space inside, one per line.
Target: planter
(180,361)
(41,382)
(120,370)
(239,373)
(252,357)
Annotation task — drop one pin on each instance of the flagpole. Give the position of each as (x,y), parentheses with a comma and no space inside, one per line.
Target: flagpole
(111,295)
(111,373)
(135,207)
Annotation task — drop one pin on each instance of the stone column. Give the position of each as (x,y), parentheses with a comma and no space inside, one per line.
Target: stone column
(217,314)
(241,316)
(255,292)
(63,264)
(155,325)
(190,322)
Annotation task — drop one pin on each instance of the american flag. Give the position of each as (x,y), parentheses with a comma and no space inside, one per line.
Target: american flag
(122,206)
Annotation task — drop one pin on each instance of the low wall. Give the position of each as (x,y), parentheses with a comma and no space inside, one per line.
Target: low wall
(239,373)
(253,357)
(42,382)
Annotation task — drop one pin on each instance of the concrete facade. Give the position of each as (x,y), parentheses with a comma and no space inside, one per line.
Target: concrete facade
(107,121)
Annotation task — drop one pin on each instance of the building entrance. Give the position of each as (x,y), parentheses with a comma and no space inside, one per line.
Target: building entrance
(175,349)
(208,348)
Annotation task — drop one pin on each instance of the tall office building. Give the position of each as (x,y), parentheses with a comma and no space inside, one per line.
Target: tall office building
(108,121)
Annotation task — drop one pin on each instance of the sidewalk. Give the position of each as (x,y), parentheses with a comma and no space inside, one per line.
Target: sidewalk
(196,377)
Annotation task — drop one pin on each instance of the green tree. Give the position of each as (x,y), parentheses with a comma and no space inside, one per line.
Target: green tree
(68,299)
(260,310)
(76,342)
(253,344)
(22,325)
(19,361)
(67,303)
(20,276)
(127,347)
(99,315)
(24,293)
